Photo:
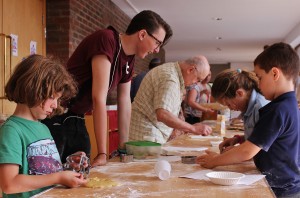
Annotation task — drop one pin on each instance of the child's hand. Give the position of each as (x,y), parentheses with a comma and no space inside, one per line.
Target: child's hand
(226,149)
(71,179)
(235,121)
(206,160)
(227,144)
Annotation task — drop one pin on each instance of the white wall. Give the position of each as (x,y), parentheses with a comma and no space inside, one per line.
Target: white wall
(242,65)
(293,38)
(298,50)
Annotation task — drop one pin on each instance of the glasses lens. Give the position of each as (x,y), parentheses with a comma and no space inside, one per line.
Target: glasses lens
(158,42)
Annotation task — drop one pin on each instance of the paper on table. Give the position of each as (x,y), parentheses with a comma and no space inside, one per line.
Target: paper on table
(198,175)
(174,148)
(250,179)
(247,180)
(167,158)
(204,137)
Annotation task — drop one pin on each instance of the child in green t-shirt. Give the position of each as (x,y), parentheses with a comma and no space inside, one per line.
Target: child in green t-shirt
(29,160)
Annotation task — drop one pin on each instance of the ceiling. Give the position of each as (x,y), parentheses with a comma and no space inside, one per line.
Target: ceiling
(246,26)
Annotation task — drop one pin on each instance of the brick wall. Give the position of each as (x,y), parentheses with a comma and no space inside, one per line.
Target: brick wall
(69,21)
(57,26)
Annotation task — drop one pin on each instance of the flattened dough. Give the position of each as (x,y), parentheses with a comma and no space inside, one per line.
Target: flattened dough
(97,182)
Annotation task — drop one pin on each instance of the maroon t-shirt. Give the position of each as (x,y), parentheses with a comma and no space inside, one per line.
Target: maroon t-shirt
(102,42)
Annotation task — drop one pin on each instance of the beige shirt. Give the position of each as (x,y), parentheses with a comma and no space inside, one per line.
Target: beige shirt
(162,87)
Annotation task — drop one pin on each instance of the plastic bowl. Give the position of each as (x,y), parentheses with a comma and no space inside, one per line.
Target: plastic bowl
(224,177)
(143,149)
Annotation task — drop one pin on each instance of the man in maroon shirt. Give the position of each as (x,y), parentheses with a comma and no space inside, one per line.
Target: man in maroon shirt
(102,61)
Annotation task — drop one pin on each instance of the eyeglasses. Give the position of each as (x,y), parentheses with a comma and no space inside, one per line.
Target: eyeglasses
(158,42)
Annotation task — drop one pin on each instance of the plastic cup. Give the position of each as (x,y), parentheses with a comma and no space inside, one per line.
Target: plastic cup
(162,169)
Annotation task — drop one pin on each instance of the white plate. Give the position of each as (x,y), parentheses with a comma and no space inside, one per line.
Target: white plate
(224,177)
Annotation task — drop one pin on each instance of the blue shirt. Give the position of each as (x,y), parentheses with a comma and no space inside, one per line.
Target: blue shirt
(135,84)
(277,133)
(251,116)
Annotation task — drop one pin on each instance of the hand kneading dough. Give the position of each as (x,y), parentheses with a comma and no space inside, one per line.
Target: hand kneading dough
(96,182)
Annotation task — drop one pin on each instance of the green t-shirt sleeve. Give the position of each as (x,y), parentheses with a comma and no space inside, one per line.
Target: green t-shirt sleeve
(10,145)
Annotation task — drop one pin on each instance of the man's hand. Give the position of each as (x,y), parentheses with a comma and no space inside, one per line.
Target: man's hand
(202,129)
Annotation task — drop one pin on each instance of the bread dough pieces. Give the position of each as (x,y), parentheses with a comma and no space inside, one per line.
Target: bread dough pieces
(97,182)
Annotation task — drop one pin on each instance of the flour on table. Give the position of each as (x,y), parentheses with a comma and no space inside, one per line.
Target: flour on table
(97,182)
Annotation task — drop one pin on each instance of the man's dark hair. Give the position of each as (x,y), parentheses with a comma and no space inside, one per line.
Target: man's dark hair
(150,21)
(279,55)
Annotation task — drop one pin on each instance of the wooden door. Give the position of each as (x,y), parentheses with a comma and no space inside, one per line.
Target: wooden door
(27,20)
